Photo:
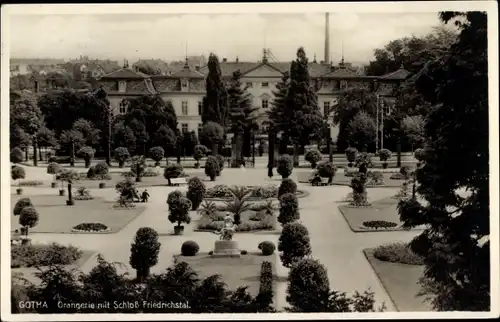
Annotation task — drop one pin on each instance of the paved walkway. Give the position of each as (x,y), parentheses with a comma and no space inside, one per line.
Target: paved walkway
(333,243)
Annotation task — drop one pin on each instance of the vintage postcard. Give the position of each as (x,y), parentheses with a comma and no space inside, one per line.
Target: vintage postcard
(217,161)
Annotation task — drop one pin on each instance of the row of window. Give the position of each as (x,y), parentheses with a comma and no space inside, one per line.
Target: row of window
(263,84)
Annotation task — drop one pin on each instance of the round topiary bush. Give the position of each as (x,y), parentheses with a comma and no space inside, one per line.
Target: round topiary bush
(294,243)
(196,191)
(384,155)
(244,252)
(405,171)
(287,186)
(285,166)
(200,151)
(326,170)
(156,153)
(189,248)
(212,167)
(419,155)
(21,204)
(87,153)
(172,171)
(351,155)
(121,155)
(16,155)
(313,156)
(267,248)
(289,209)
(220,160)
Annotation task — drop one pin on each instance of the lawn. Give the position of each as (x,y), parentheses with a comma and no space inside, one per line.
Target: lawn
(401,283)
(56,217)
(341,179)
(383,209)
(235,272)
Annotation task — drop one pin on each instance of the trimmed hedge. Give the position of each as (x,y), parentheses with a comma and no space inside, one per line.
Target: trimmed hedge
(43,255)
(265,297)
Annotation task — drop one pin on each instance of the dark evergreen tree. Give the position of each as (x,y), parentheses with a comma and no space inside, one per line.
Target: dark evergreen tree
(215,107)
(303,121)
(165,138)
(242,118)
(455,245)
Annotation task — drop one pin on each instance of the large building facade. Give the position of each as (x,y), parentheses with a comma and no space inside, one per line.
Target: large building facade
(185,88)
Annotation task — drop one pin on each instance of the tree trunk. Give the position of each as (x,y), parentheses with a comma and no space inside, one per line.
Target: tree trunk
(296,155)
(398,148)
(237,151)
(215,146)
(70,195)
(270,151)
(40,158)
(26,154)
(35,159)
(72,155)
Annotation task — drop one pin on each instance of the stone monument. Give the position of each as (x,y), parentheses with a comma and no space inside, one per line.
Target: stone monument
(226,246)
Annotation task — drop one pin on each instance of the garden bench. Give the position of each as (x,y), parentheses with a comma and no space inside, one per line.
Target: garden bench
(178,181)
(15,238)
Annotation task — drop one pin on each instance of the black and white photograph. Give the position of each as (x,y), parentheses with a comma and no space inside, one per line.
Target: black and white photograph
(218,160)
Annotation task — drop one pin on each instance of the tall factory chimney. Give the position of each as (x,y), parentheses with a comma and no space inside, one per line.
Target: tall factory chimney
(327,38)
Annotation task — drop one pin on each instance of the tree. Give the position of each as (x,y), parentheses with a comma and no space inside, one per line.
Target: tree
(21,204)
(303,121)
(156,153)
(87,153)
(73,140)
(455,245)
(121,155)
(16,155)
(140,134)
(18,138)
(189,141)
(361,130)
(91,135)
(308,287)
(172,171)
(179,211)
(352,102)
(46,139)
(413,127)
(242,118)
(294,243)
(25,113)
(123,136)
(28,218)
(17,173)
(289,209)
(211,135)
(196,192)
(165,138)
(212,167)
(215,105)
(144,251)
(276,117)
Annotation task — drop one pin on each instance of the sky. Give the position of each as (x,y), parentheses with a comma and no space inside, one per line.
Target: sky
(169,37)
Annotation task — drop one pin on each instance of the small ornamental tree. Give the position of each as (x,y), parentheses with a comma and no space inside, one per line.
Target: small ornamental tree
(294,243)
(172,171)
(212,134)
(384,155)
(200,151)
(87,153)
(173,198)
(144,252)
(326,169)
(313,156)
(363,162)
(287,186)
(358,185)
(304,277)
(212,167)
(17,173)
(285,166)
(16,155)
(138,167)
(53,168)
(126,189)
(121,155)
(21,204)
(179,213)
(289,209)
(405,171)
(196,192)
(156,153)
(351,155)
(221,160)
(28,218)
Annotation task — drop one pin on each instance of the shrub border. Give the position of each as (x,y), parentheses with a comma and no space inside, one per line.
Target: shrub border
(299,194)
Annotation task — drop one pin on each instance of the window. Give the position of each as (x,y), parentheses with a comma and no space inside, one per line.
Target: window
(326,109)
(265,84)
(122,86)
(200,126)
(343,84)
(249,85)
(184,83)
(184,128)
(184,108)
(265,103)
(123,109)
(200,107)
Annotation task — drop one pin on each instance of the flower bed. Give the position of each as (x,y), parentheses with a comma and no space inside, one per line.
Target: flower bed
(223,192)
(147,173)
(90,228)
(376,224)
(397,253)
(30,183)
(83,197)
(43,255)
(83,176)
(247,224)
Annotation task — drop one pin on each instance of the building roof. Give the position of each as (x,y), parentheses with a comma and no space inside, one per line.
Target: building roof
(187,72)
(125,73)
(342,73)
(36,61)
(400,74)
(156,64)
(228,68)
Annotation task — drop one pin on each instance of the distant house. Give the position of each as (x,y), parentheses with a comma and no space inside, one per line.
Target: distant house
(90,69)
(151,66)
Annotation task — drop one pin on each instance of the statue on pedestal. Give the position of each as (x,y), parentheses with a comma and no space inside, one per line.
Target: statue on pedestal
(226,246)
(227,232)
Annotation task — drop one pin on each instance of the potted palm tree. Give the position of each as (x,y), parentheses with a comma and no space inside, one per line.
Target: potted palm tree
(208,209)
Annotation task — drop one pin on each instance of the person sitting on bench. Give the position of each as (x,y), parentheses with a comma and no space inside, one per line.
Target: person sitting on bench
(145,196)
